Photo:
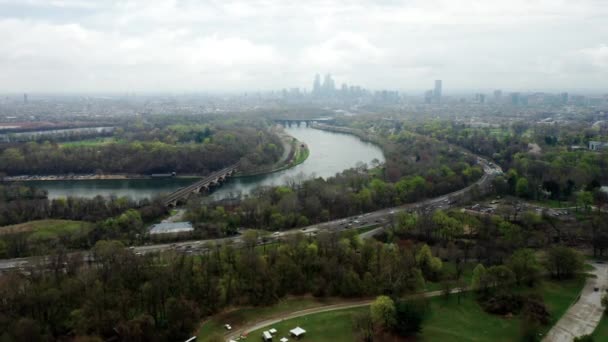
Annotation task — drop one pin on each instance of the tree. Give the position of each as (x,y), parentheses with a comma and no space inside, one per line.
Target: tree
(479,281)
(409,315)
(363,326)
(563,262)
(521,187)
(524,265)
(182,317)
(382,312)
(584,199)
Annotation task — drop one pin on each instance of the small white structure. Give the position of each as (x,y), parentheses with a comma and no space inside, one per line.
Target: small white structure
(266,336)
(171,228)
(597,145)
(297,332)
(227,326)
(284,339)
(272,331)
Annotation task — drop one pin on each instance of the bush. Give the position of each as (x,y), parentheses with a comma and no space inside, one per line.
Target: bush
(409,316)
(502,304)
(535,310)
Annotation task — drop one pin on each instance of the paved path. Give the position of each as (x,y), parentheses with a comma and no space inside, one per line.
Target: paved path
(582,317)
(342,306)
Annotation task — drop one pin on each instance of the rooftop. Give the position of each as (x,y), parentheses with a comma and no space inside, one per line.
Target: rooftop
(171,227)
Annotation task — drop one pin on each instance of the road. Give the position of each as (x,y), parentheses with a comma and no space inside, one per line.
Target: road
(382,217)
(342,306)
(582,317)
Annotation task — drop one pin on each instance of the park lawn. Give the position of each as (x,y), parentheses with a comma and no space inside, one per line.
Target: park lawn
(88,142)
(449,321)
(302,154)
(47,227)
(559,296)
(330,326)
(238,317)
(601,331)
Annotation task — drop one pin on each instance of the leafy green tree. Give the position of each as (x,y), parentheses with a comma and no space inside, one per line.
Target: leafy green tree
(383,312)
(563,262)
(522,188)
(363,326)
(409,315)
(479,280)
(584,199)
(525,266)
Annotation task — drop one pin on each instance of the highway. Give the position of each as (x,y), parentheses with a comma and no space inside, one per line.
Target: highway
(381,218)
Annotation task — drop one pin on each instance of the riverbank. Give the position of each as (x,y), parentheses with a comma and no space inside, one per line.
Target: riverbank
(370,138)
(295,152)
(26,178)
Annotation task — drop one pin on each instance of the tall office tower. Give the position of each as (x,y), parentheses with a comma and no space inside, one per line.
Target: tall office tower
(316,86)
(428,96)
(437,91)
(497,95)
(564,98)
(24,98)
(515,98)
(328,85)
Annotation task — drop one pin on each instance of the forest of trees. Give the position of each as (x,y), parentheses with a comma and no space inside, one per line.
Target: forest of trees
(163,297)
(148,147)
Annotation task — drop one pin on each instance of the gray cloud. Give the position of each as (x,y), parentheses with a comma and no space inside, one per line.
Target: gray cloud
(171,45)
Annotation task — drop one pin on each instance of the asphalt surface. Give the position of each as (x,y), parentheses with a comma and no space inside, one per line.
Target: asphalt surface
(381,218)
(584,316)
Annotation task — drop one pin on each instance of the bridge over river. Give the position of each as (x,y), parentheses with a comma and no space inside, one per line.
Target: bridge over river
(214,179)
(287,122)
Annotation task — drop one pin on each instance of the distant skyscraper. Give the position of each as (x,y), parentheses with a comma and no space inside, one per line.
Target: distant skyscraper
(497,95)
(328,85)
(564,98)
(25,98)
(437,91)
(515,98)
(316,86)
(428,96)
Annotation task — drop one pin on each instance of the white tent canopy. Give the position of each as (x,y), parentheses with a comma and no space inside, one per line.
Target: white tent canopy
(297,331)
(284,339)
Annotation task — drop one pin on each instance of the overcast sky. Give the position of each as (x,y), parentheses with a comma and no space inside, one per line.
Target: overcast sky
(197,45)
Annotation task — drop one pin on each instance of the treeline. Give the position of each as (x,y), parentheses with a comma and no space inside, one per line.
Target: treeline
(163,298)
(144,147)
(305,202)
(113,218)
(555,172)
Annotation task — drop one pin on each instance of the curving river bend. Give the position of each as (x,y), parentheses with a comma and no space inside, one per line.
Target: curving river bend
(330,153)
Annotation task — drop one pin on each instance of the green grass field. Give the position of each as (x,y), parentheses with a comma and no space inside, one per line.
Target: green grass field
(46,227)
(601,332)
(301,155)
(238,317)
(89,142)
(331,326)
(447,321)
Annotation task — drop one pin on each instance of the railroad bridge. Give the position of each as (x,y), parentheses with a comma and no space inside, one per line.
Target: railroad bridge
(214,179)
(288,122)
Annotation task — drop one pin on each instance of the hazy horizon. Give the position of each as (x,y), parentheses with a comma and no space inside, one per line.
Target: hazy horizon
(176,47)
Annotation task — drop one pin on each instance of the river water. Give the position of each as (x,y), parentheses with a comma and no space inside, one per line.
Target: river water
(330,153)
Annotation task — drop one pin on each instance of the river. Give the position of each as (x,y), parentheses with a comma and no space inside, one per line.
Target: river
(330,153)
